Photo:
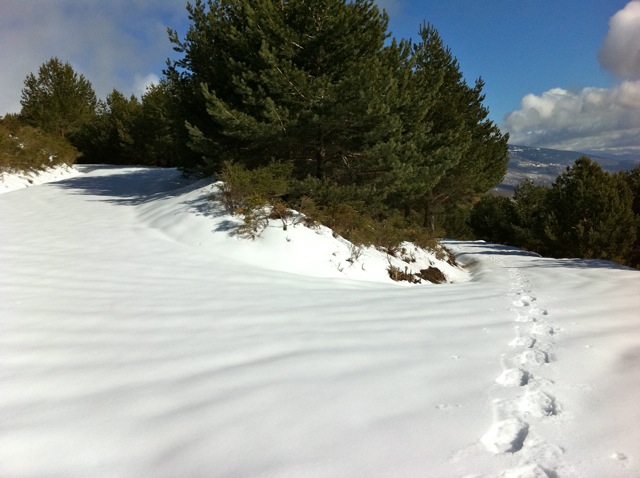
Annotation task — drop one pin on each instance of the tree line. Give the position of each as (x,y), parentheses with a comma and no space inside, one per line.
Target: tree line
(587,213)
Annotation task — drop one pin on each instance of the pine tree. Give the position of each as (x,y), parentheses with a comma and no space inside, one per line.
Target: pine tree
(632,179)
(530,206)
(475,147)
(112,136)
(591,213)
(299,81)
(492,219)
(387,126)
(156,131)
(58,100)
(122,119)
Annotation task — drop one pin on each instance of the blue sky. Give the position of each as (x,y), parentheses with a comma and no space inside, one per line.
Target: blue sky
(516,46)
(558,73)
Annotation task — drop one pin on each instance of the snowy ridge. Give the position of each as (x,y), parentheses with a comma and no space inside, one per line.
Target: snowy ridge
(13,181)
(311,252)
(141,337)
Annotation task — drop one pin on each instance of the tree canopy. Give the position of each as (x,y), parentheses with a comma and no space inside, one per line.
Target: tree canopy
(320,84)
(587,213)
(57,100)
(591,213)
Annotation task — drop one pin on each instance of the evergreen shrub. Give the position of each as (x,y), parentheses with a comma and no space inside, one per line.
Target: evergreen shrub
(492,219)
(590,214)
(255,194)
(25,148)
(632,179)
(375,127)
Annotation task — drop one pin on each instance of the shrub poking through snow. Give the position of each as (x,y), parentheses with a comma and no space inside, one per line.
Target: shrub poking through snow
(433,274)
(255,194)
(254,188)
(355,251)
(25,148)
(443,254)
(345,219)
(312,215)
(398,274)
(282,212)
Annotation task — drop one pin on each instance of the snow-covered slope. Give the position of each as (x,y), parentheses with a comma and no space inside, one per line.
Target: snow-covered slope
(139,337)
(12,181)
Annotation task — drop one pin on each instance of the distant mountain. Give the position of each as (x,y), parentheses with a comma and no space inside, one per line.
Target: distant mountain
(543,165)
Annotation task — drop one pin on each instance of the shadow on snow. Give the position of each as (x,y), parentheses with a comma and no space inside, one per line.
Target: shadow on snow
(128,186)
(500,250)
(134,186)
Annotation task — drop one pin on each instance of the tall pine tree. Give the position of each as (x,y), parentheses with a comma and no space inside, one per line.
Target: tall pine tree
(474,146)
(316,82)
(58,100)
(297,80)
(632,179)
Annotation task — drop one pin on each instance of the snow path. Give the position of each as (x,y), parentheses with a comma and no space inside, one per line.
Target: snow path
(532,433)
(138,339)
(523,365)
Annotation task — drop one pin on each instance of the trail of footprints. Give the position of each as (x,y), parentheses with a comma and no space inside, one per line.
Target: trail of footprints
(528,395)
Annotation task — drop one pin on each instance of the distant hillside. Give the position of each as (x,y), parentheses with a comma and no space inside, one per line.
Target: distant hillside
(544,165)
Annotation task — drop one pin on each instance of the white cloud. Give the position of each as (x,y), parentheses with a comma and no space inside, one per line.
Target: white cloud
(392,7)
(142,83)
(591,119)
(620,51)
(115,44)
(605,120)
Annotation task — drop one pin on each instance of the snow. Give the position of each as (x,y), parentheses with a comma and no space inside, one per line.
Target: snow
(140,337)
(12,181)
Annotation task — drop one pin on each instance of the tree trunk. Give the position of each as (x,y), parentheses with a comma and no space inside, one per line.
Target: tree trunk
(429,220)
(321,156)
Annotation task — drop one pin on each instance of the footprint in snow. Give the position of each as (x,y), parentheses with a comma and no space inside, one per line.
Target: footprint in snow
(506,436)
(539,404)
(513,377)
(543,329)
(525,318)
(549,457)
(531,470)
(538,311)
(524,301)
(533,357)
(525,342)
(621,458)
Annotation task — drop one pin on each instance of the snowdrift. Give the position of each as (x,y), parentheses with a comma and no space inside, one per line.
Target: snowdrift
(141,337)
(12,181)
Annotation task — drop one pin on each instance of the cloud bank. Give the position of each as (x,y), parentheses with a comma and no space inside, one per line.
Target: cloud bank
(594,119)
(598,120)
(119,44)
